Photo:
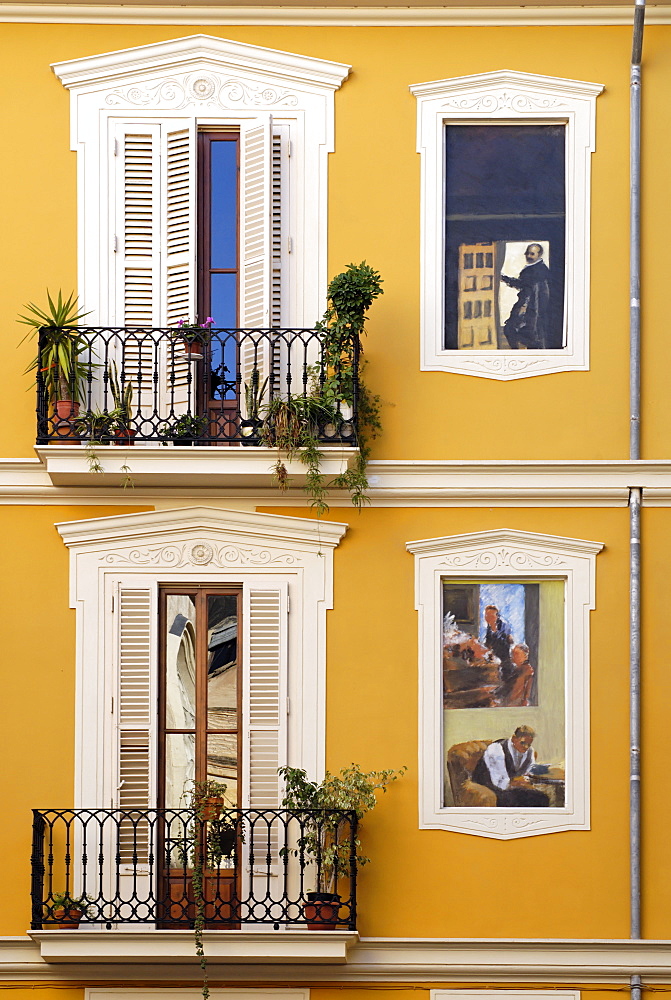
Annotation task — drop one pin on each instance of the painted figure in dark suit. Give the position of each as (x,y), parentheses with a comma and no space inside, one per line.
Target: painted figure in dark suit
(528,325)
(505,767)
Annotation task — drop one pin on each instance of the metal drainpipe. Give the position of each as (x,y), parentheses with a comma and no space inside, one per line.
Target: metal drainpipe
(635,492)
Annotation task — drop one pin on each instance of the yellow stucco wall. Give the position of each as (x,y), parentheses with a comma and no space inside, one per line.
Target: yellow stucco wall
(38,685)
(374,213)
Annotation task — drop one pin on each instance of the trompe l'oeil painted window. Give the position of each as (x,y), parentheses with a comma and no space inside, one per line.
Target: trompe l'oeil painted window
(505,224)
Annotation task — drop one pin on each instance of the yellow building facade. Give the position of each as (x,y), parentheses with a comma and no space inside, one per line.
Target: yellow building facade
(171,614)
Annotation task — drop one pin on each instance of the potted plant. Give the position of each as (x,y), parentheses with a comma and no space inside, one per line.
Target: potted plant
(194,336)
(59,365)
(68,910)
(185,429)
(250,426)
(326,834)
(122,396)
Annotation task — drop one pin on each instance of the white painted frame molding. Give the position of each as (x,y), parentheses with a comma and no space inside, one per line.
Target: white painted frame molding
(508,554)
(209,81)
(505,994)
(505,96)
(189,545)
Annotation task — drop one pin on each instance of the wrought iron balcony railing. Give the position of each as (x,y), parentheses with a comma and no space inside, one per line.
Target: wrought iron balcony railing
(257,866)
(219,387)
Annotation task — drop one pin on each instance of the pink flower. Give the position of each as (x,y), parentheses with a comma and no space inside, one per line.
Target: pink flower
(209,321)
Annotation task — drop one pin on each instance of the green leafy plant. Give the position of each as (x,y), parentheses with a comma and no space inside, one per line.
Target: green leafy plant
(255,392)
(193,331)
(73,907)
(187,426)
(326,836)
(334,383)
(122,396)
(58,361)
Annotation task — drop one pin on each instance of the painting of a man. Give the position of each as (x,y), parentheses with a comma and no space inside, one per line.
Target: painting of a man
(529,320)
(499,638)
(505,767)
(528,325)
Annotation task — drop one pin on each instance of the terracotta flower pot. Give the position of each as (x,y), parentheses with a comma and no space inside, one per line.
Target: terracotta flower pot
(68,917)
(125,436)
(194,349)
(67,412)
(212,808)
(321,911)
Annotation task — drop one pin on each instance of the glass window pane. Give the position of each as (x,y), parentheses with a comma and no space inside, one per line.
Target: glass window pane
(180,662)
(180,756)
(224,349)
(222,763)
(222,674)
(224,204)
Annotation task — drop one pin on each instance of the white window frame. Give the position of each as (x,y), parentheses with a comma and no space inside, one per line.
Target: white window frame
(509,554)
(519,98)
(209,81)
(191,545)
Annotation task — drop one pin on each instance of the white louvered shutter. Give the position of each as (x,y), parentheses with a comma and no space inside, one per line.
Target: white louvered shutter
(178,204)
(135,726)
(265,618)
(137,220)
(256,244)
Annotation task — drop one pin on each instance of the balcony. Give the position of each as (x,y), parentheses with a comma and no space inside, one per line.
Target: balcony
(225,393)
(260,868)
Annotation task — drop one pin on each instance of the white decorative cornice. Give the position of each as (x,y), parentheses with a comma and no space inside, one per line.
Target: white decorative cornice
(133,531)
(193,53)
(502,549)
(505,90)
(587,15)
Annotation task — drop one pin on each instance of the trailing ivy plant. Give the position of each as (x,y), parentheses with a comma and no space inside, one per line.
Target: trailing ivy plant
(292,425)
(206,799)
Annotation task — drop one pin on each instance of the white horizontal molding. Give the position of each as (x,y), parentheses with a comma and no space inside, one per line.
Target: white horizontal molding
(428,960)
(587,15)
(60,475)
(504,554)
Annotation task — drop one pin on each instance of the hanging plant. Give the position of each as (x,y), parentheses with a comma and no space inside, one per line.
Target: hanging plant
(293,425)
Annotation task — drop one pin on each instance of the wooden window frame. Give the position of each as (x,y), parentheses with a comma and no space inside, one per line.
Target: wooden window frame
(202,731)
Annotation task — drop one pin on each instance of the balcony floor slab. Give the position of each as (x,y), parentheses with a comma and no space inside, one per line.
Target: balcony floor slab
(175,947)
(193,467)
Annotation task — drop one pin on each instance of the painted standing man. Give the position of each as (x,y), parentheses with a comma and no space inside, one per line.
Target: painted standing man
(499,639)
(528,325)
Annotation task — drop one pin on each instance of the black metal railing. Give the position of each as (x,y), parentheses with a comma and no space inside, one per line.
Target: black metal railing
(219,387)
(257,866)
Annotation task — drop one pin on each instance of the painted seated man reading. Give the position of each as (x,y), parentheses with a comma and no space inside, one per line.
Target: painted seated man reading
(505,768)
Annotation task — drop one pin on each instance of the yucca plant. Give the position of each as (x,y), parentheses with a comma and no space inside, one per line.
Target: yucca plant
(58,361)
(122,397)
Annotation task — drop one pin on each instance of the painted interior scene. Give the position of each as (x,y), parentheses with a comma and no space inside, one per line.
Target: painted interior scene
(505,218)
(504,693)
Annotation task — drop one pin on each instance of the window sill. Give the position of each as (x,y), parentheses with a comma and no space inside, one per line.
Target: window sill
(231,947)
(197,466)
